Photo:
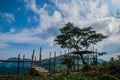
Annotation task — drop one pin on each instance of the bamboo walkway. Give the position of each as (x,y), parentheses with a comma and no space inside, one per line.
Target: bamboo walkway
(40,70)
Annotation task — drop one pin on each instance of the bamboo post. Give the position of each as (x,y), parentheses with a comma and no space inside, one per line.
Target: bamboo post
(78,62)
(65,52)
(40,56)
(61,53)
(68,50)
(23,64)
(74,61)
(32,58)
(35,61)
(54,60)
(96,58)
(88,59)
(18,64)
(49,62)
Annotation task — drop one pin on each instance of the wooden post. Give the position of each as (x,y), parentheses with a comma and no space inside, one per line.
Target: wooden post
(68,50)
(61,53)
(74,61)
(65,52)
(49,62)
(32,58)
(96,58)
(40,56)
(23,64)
(88,58)
(18,64)
(54,60)
(35,61)
(78,62)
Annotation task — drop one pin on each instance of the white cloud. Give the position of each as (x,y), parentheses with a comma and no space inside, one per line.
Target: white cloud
(8,17)
(25,37)
(12,30)
(109,56)
(2,45)
(80,12)
(115,2)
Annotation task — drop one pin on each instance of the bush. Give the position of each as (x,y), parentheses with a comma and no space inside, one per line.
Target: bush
(72,77)
(109,77)
(114,67)
(86,67)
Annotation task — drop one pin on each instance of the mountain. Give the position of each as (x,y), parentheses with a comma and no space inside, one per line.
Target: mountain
(12,64)
(11,67)
(101,61)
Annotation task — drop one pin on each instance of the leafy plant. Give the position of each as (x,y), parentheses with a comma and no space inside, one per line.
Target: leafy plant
(109,77)
(67,60)
(86,67)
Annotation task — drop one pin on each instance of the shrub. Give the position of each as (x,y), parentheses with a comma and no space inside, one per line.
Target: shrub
(109,77)
(114,67)
(86,67)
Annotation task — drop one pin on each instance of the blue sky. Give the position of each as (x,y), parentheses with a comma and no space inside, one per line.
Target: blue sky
(30,24)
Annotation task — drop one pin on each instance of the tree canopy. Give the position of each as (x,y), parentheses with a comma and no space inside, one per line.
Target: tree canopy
(74,37)
(78,38)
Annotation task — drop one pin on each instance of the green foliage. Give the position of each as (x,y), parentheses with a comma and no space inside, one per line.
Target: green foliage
(112,67)
(112,59)
(109,77)
(72,77)
(78,38)
(59,77)
(74,37)
(86,67)
(102,53)
(67,60)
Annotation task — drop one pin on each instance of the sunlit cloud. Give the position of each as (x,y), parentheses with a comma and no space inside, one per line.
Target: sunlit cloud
(80,12)
(8,17)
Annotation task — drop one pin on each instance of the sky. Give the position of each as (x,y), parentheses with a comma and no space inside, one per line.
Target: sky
(30,24)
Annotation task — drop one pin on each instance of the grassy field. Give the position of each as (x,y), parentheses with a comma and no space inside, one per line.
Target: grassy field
(105,71)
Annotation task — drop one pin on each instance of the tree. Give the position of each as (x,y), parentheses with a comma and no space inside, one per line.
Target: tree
(117,15)
(78,38)
(118,56)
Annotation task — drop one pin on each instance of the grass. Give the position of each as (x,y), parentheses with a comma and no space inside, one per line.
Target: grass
(59,77)
(106,71)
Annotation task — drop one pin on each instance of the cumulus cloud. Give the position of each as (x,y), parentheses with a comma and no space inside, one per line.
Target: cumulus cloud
(2,44)
(109,56)
(115,2)
(8,17)
(80,12)
(21,37)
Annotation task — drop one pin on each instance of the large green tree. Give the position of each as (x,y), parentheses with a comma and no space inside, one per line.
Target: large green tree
(73,37)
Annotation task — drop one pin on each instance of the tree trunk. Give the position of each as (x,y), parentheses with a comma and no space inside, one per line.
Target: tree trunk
(83,61)
(81,55)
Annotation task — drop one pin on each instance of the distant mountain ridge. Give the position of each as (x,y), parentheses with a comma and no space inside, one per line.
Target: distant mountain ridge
(11,67)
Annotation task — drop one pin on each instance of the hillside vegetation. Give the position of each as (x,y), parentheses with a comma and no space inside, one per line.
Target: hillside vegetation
(105,71)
